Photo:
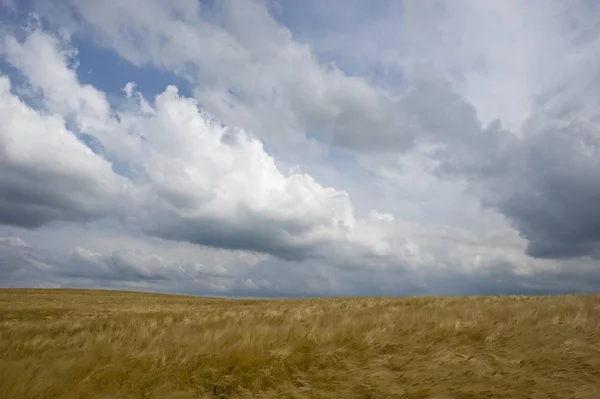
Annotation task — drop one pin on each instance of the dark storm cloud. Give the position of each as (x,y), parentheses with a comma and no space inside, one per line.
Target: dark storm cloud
(32,197)
(554,202)
(248,231)
(545,184)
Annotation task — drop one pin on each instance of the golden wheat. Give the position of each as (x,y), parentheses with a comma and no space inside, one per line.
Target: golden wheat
(103,344)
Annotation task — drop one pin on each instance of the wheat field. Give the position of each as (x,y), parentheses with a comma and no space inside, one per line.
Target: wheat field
(106,344)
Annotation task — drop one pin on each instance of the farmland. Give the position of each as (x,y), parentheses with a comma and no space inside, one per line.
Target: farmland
(108,344)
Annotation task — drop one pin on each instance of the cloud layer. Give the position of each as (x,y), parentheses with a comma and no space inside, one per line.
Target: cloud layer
(434,106)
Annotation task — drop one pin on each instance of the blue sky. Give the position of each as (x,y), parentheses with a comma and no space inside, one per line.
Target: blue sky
(281,148)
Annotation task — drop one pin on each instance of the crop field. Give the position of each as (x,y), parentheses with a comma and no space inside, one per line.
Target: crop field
(106,344)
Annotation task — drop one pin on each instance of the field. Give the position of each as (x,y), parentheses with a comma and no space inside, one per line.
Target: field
(103,344)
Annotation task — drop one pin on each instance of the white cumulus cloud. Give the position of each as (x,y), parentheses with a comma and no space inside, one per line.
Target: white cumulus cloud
(190,177)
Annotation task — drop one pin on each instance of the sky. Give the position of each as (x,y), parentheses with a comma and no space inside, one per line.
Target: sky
(277,148)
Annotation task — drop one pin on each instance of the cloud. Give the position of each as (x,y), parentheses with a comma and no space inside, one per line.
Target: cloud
(540,177)
(13,253)
(502,95)
(546,190)
(13,241)
(252,72)
(8,4)
(188,177)
(19,261)
(47,174)
(465,125)
(202,274)
(120,265)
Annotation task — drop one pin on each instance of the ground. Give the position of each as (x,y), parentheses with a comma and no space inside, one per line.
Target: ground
(106,344)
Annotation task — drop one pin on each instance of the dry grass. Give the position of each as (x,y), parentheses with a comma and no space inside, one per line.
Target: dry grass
(94,344)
